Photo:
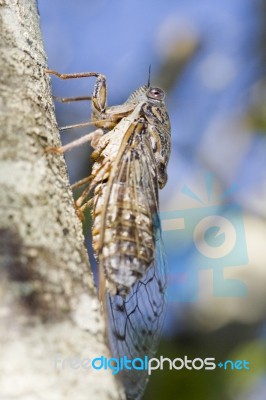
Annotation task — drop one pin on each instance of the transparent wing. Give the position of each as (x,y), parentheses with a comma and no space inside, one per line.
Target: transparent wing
(135,320)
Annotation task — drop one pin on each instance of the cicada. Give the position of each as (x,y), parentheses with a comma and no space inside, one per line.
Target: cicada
(131,153)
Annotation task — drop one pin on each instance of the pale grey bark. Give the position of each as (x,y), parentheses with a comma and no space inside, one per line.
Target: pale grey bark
(48,305)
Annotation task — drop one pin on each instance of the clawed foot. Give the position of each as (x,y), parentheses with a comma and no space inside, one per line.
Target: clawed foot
(54,150)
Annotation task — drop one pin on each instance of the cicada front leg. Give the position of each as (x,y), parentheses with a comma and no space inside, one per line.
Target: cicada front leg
(98,99)
(99,94)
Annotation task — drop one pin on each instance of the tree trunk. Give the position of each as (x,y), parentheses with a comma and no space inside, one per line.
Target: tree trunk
(49,312)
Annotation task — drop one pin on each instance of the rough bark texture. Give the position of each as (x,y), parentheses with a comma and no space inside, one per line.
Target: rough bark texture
(48,305)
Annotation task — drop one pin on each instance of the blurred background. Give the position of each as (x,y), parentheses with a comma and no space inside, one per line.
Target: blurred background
(210,58)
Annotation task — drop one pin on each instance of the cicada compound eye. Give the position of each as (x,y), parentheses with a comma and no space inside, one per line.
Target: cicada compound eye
(155,94)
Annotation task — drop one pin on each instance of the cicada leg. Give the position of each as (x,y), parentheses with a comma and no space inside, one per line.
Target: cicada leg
(92,137)
(83,207)
(99,103)
(99,92)
(82,182)
(98,99)
(71,99)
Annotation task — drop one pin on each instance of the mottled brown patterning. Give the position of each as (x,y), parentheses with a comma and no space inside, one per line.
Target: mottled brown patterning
(130,163)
